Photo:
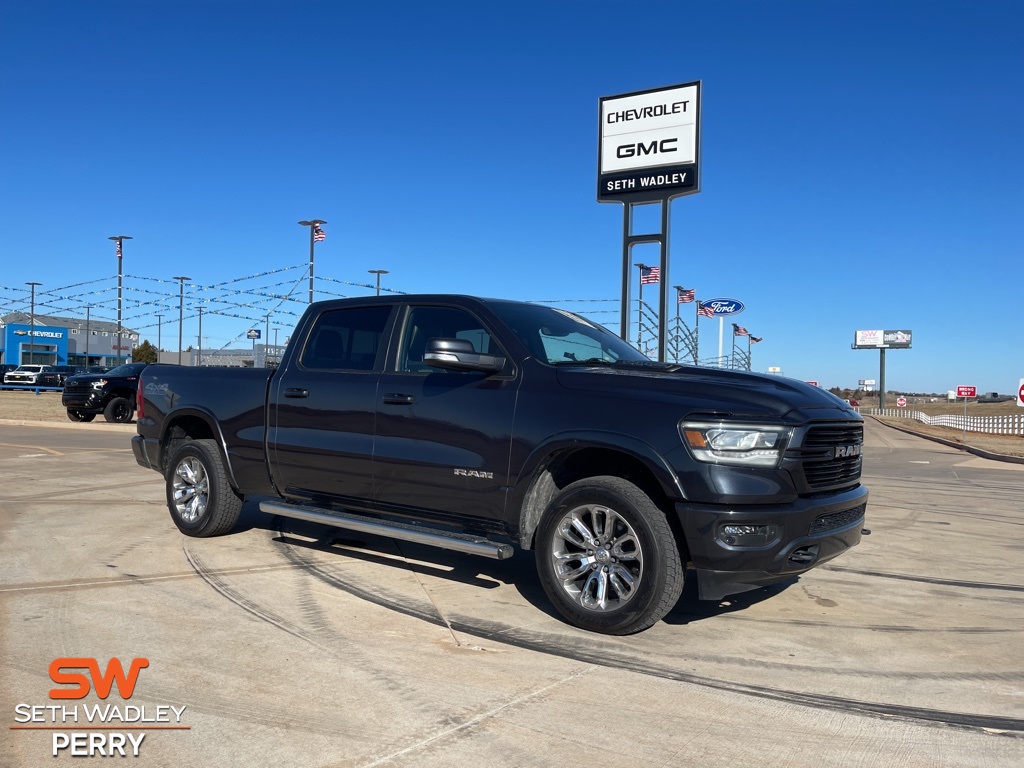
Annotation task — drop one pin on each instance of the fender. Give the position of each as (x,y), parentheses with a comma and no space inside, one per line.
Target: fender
(567,441)
(207,417)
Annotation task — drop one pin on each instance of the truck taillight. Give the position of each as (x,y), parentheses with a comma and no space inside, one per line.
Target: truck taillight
(140,412)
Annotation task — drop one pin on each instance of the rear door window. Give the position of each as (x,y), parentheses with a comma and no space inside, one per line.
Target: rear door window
(346,339)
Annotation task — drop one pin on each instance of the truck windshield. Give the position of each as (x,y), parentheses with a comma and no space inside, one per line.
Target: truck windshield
(128,369)
(555,336)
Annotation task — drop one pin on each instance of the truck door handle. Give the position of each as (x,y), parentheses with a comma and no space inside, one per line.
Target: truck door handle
(296,392)
(394,398)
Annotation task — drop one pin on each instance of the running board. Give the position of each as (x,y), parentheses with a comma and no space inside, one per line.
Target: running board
(434,537)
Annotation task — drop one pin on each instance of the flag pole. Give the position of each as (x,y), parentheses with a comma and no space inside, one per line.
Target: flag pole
(721,330)
(696,331)
(679,335)
(640,310)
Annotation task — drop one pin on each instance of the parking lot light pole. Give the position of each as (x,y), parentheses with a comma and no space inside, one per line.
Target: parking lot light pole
(266,342)
(31,328)
(200,358)
(378,273)
(159,328)
(120,272)
(181,310)
(88,311)
(314,227)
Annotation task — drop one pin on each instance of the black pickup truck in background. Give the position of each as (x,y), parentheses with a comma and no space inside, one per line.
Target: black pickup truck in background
(479,425)
(111,393)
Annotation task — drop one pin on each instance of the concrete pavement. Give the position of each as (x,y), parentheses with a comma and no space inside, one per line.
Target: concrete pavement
(290,644)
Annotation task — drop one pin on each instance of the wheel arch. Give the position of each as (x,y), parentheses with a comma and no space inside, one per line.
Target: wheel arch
(568,458)
(193,424)
(129,393)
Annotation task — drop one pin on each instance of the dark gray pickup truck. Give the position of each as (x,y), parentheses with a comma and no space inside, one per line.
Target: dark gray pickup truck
(480,425)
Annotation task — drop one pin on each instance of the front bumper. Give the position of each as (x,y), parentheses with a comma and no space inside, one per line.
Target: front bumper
(809,533)
(87,402)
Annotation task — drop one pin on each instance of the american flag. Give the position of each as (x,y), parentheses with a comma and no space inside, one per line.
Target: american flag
(739,330)
(649,275)
(686,295)
(706,309)
(755,339)
(318,234)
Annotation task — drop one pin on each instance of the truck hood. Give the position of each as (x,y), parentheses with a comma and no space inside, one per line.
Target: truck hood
(89,378)
(84,378)
(711,391)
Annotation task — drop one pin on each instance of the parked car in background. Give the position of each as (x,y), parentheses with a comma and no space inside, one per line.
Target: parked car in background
(111,393)
(994,397)
(64,371)
(33,375)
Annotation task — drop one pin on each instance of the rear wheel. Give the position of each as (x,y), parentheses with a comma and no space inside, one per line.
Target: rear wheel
(118,410)
(76,415)
(607,557)
(201,501)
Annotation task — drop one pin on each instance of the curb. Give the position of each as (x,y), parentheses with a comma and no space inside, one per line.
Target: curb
(976,451)
(104,425)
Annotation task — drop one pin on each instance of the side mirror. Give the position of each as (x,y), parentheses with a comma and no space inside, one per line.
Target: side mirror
(459,355)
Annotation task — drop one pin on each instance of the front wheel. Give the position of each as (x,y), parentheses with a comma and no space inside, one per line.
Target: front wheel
(118,410)
(201,501)
(75,415)
(607,558)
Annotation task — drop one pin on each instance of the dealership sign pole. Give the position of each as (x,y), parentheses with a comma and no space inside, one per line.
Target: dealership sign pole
(724,308)
(882,340)
(648,152)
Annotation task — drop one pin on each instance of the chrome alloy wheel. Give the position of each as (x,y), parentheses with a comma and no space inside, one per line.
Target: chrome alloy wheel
(191,489)
(597,558)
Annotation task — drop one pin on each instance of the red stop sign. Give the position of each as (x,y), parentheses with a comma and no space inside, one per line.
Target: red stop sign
(901,402)
(1020,394)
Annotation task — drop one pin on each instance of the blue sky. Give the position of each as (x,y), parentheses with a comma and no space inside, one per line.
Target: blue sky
(862,164)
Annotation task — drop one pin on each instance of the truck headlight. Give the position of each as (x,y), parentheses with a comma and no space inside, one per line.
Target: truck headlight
(749,445)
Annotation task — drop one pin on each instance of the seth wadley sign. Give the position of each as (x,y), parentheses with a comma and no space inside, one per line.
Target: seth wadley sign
(649,141)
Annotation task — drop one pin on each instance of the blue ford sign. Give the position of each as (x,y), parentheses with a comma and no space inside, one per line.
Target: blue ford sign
(724,307)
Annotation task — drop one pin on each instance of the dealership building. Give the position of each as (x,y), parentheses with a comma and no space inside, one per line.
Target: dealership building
(63,341)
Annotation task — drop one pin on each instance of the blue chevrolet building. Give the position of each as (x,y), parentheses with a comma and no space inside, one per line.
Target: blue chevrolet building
(63,341)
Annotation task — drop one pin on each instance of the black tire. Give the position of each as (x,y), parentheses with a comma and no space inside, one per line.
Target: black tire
(76,415)
(119,410)
(200,499)
(617,581)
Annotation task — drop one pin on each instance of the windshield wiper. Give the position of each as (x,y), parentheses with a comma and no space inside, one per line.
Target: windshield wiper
(587,361)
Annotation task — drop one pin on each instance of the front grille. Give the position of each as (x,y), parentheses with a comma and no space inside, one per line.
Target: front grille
(77,389)
(837,520)
(823,468)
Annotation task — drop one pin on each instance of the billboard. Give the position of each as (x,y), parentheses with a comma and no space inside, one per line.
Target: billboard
(649,144)
(882,339)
